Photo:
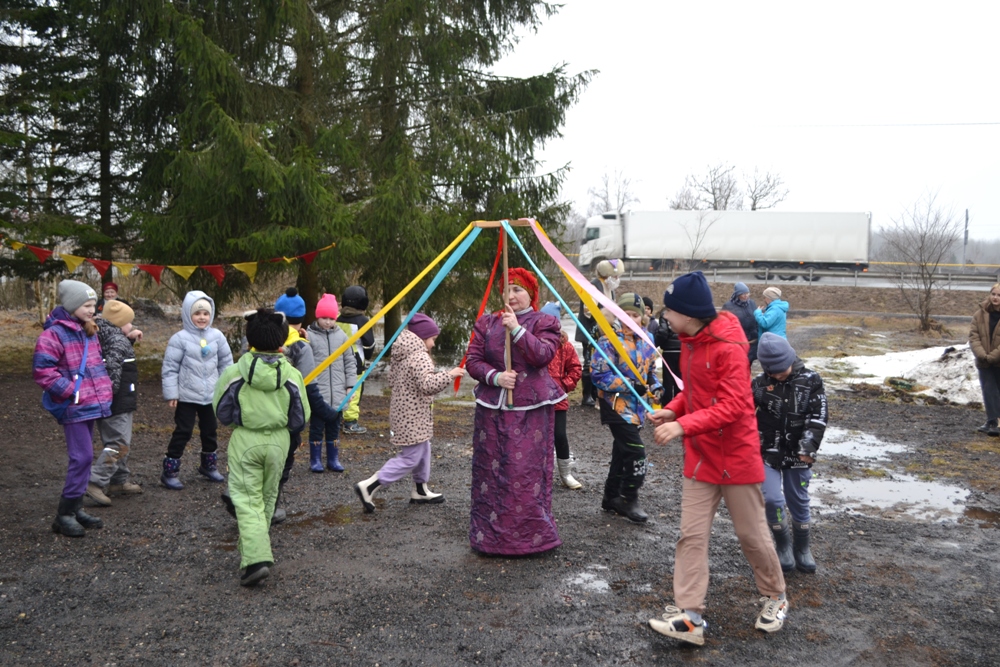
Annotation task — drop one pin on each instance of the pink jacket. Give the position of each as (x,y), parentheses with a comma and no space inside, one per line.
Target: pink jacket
(414,383)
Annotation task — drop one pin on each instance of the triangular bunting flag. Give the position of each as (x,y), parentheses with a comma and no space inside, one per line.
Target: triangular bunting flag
(102,265)
(183,271)
(123,268)
(154,270)
(218,272)
(41,253)
(309,257)
(16,245)
(71,261)
(249,268)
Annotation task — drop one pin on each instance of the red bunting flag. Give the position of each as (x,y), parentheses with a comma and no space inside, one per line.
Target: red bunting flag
(309,256)
(41,253)
(218,272)
(102,265)
(154,270)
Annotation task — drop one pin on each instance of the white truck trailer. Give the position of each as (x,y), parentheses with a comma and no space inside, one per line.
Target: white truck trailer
(766,241)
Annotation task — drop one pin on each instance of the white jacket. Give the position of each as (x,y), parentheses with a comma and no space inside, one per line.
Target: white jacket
(194,358)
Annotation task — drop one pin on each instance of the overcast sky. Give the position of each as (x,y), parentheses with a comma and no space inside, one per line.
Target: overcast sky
(859,106)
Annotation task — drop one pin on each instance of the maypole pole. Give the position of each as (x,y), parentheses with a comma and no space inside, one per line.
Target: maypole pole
(506,287)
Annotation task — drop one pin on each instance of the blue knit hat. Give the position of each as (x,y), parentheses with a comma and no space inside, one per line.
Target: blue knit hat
(740,288)
(690,295)
(292,305)
(552,308)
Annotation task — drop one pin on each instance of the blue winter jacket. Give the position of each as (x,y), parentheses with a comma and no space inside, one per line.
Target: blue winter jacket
(194,358)
(772,318)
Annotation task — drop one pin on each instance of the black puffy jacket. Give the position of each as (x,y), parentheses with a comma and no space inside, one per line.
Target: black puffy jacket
(791,416)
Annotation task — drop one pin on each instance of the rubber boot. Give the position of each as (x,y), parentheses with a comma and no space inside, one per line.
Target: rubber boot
(629,509)
(365,490)
(227,502)
(66,523)
(169,477)
(332,451)
(565,467)
(279,512)
(84,519)
(803,556)
(209,467)
(783,544)
(316,456)
(421,495)
(588,392)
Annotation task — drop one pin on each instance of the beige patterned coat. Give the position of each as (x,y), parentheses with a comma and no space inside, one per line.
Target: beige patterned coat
(414,383)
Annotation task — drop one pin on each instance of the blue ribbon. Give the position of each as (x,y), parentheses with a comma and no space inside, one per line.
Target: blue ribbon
(579,327)
(435,283)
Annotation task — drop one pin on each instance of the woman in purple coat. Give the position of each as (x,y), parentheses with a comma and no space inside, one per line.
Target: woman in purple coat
(512,445)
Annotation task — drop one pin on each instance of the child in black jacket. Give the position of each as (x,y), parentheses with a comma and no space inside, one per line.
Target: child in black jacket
(791,421)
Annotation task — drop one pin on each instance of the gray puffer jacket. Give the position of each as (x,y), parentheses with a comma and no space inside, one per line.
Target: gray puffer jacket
(194,358)
(340,376)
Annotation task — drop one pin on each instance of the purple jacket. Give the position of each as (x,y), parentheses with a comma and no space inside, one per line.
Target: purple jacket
(531,350)
(57,358)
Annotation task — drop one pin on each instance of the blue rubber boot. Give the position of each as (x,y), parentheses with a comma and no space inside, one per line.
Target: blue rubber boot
(316,456)
(332,460)
(169,477)
(209,467)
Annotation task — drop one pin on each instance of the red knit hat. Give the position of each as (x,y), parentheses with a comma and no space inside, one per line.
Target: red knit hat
(522,278)
(110,284)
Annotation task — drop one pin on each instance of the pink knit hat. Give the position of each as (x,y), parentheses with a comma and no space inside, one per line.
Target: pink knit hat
(327,307)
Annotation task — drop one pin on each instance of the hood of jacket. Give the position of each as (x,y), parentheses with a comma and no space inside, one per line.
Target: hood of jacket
(407,346)
(985,306)
(265,371)
(189,300)
(779,304)
(62,317)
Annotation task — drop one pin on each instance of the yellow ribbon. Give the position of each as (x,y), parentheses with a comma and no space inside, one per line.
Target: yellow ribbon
(386,308)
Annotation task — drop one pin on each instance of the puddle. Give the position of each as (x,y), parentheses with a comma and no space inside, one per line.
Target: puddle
(888,493)
(985,518)
(341,515)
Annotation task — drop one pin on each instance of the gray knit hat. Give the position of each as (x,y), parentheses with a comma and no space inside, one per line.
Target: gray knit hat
(73,294)
(774,353)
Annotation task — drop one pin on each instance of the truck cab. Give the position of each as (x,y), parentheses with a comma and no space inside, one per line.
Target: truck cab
(602,239)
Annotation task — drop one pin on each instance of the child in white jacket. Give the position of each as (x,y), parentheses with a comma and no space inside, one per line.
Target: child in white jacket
(192,363)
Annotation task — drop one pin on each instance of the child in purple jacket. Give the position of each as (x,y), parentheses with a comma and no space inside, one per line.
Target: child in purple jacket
(77,393)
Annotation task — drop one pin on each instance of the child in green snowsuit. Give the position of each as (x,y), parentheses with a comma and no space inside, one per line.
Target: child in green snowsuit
(263,397)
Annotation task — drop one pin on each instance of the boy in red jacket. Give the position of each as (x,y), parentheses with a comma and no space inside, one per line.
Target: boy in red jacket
(566,370)
(715,415)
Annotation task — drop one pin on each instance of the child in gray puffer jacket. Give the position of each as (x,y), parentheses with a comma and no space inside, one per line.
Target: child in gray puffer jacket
(195,358)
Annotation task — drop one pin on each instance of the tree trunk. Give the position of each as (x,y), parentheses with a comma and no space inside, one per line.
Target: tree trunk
(394,317)
(307,283)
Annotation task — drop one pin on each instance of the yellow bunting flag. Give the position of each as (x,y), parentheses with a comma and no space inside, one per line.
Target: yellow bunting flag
(249,268)
(124,268)
(16,245)
(72,261)
(183,271)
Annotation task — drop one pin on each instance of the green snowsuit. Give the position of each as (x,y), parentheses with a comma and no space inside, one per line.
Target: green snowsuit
(262,396)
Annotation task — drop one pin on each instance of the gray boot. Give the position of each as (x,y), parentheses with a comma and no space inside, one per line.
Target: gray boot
(783,544)
(565,467)
(803,556)
(66,523)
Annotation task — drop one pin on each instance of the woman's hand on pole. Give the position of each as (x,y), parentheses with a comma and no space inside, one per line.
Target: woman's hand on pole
(507,379)
(509,318)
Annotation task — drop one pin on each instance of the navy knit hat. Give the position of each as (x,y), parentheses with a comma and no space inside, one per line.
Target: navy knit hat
(774,353)
(690,295)
(292,305)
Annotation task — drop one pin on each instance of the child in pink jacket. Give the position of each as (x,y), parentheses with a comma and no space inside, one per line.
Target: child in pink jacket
(411,420)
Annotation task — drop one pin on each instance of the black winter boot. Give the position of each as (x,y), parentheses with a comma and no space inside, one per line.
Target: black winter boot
(588,392)
(66,523)
(783,545)
(279,512)
(629,509)
(227,502)
(84,519)
(803,556)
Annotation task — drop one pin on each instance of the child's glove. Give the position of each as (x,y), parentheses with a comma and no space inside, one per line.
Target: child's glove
(639,387)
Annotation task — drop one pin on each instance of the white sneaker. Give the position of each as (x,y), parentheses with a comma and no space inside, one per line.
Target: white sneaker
(772,616)
(678,625)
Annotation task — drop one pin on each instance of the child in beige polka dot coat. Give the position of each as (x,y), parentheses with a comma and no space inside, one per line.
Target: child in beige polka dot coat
(411,420)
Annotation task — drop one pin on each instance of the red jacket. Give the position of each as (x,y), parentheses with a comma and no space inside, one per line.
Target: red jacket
(716,408)
(565,369)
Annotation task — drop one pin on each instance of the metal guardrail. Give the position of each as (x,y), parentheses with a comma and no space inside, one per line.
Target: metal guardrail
(944,279)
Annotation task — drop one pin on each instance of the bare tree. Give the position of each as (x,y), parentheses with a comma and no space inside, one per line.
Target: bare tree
(614,194)
(696,232)
(685,200)
(920,240)
(764,190)
(718,189)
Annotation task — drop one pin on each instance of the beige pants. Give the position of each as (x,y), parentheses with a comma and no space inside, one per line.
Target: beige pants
(746,506)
